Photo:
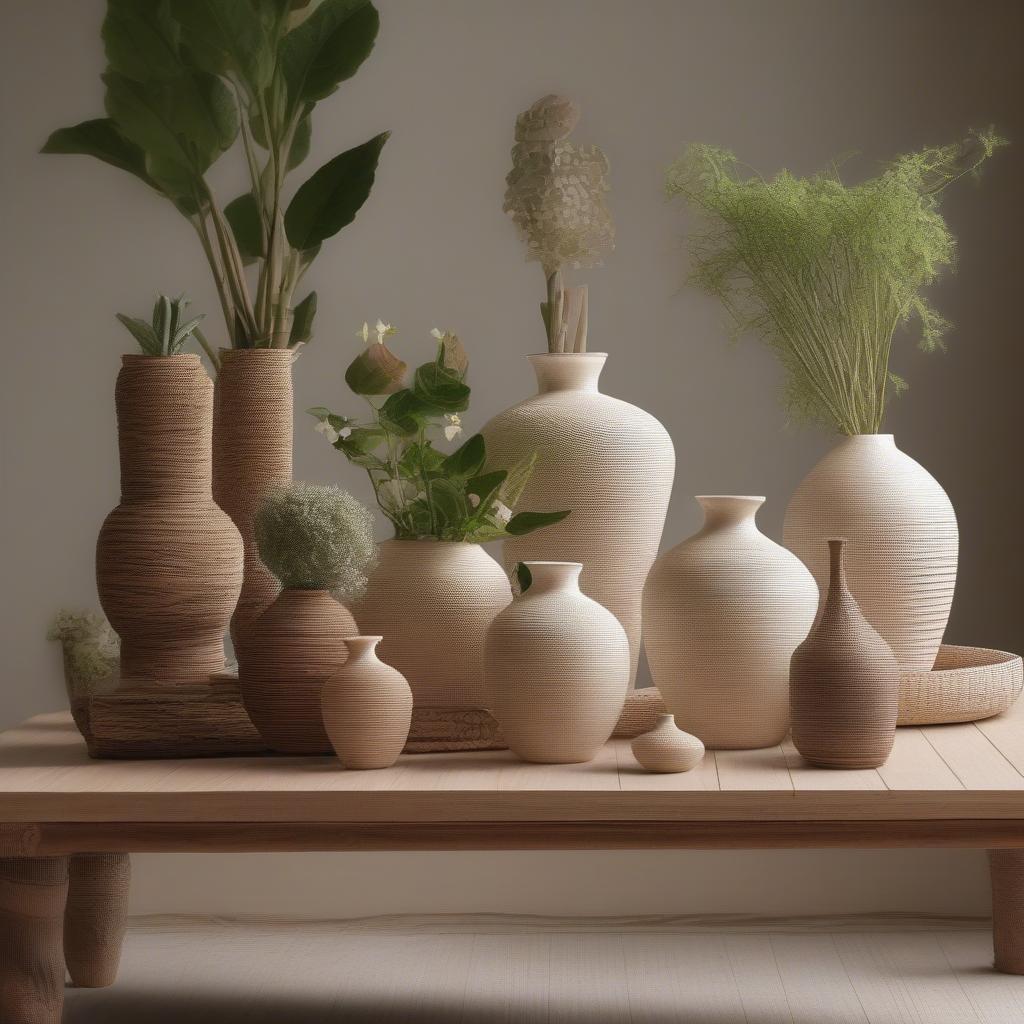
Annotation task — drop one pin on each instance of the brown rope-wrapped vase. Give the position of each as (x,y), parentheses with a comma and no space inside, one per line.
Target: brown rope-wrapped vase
(294,646)
(33,891)
(843,683)
(252,455)
(168,559)
(95,917)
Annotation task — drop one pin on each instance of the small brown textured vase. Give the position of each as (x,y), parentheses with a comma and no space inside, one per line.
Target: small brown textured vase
(367,708)
(168,560)
(295,646)
(844,683)
(252,455)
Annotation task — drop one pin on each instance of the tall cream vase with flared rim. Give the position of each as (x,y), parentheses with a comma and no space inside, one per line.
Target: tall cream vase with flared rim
(252,455)
(367,708)
(723,612)
(901,559)
(609,462)
(557,667)
(432,602)
(168,559)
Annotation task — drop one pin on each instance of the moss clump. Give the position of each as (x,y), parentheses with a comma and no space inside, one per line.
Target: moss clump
(826,272)
(315,537)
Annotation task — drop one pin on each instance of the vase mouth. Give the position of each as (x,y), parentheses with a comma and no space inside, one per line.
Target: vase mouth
(546,576)
(430,540)
(191,358)
(729,509)
(885,438)
(288,355)
(568,371)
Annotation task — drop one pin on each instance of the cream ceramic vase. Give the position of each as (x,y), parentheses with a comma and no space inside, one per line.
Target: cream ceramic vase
(432,601)
(557,667)
(902,534)
(666,748)
(723,613)
(609,462)
(367,708)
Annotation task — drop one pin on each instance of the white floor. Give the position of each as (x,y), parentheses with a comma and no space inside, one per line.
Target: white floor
(558,971)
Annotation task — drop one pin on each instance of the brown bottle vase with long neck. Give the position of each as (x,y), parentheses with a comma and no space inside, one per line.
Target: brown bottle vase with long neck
(843,683)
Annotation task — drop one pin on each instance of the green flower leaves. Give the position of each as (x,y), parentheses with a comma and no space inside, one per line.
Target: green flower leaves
(424,492)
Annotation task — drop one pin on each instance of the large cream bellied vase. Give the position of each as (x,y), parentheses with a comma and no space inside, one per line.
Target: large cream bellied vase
(609,462)
(168,559)
(723,613)
(432,601)
(557,668)
(903,541)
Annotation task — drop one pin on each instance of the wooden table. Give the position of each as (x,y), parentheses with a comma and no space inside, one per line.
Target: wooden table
(63,816)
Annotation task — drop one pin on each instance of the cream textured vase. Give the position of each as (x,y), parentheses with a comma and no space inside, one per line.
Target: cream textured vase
(666,748)
(609,462)
(557,669)
(367,708)
(432,601)
(293,648)
(902,533)
(723,613)
(168,560)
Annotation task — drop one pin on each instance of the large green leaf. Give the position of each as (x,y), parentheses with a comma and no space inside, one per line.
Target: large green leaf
(441,388)
(142,40)
(327,48)
(403,413)
(101,139)
(331,198)
(375,371)
(302,321)
(183,124)
(467,460)
(527,522)
(243,214)
(228,36)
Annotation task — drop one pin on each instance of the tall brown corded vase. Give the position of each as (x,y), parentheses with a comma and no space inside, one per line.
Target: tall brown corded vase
(252,455)
(168,560)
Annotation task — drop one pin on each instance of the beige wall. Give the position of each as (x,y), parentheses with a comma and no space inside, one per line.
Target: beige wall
(791,82)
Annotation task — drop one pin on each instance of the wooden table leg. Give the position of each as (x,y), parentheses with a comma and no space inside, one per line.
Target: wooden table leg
(1007,870)
(33,891)
(94,921)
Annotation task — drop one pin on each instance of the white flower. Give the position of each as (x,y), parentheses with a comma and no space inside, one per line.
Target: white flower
(474,500)
(364,333)
(502,513)
(345,432)
(383,330)
(437,333)
(454,427)
(324,427)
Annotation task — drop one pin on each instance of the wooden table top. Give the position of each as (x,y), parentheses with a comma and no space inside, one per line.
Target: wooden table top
(965,782)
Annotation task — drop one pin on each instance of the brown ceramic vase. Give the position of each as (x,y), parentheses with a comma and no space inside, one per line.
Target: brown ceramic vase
(843,683)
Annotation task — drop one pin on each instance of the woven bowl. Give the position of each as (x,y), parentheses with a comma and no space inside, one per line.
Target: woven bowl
(966,684)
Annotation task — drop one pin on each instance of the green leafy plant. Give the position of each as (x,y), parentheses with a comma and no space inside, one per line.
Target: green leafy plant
(425,492)
(185,80)
(316,537)
(167,333)
(826,272)
(556,197)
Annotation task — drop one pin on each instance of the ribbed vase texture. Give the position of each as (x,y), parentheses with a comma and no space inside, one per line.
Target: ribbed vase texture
(844,683)
(168,559)
(432,602)
(557,669)
(295,646)
(609,462)
(367,708)
(723,613)
(252,455)
(902,534)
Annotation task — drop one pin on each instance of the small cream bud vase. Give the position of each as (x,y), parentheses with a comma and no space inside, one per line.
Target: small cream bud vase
(367,707)
(667,748)
(557,668)
(723,613)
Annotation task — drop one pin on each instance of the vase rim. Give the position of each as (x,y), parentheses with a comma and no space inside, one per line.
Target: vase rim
(861,437)
(731,497)
(567,355)
(143,357)
(430,540)
(550,562)
(287,354)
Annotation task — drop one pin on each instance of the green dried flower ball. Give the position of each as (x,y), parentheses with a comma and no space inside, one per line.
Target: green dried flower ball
(316,537)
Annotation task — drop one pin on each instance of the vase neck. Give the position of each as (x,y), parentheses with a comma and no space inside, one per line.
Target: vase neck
(722,511)
(362,648)
(568,371)
(837,564)
(553,577)
(869,441)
